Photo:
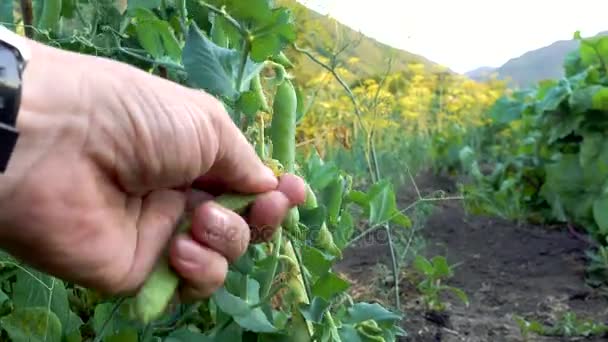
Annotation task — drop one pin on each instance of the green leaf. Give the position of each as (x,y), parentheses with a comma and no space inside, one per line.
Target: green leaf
(563,185)
(440,266)
(600,99)
(460,294)
(32,324)
(313,218)
(147,4)
(423,265)
(349,333)
(600,214)
(553,98)
(125,335)
(382,203)
(506,110)
(258,11)
(590,148)
(36,289)
(581,99)
(318,173)
(251,319)
(249,103)
(71,329)
(6,14)
(361,312)
(111,321)
(315,261)
(561,125)
(329,285)
(273,37)
(156,36)
(213,68)
(401,219)
(383,206)
(186,335)
(314,311)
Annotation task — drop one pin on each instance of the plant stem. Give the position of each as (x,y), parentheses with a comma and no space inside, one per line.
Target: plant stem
(183,13)
(374,168)
(276,247)
(227,16)
(27,12)
(244,57)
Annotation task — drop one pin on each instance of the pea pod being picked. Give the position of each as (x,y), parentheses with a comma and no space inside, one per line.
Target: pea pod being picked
(154,297)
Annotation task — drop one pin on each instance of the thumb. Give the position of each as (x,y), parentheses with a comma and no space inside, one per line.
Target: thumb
(237,166)
(161,212)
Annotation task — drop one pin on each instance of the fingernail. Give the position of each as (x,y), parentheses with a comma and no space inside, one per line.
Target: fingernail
(217,221)
(187,250)
(269,176)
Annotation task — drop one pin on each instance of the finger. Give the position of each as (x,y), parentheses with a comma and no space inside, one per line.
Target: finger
(222,230)
(203,269)
(266,214)
(237,165)
(293,187)
(194,198)
(161,210)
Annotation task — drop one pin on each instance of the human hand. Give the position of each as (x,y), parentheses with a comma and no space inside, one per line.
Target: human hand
(106,165)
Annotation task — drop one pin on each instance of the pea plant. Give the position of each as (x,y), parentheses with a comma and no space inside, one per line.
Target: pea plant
(282,290)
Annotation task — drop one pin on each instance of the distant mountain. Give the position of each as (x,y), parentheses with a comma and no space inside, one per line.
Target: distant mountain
(480,73)
(533,66)
(319,32)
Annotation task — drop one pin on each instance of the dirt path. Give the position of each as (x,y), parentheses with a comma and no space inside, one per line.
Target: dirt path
(504,269)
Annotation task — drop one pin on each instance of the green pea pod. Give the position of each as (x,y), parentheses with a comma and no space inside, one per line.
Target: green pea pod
(335,194)
(155,295)
(283,60)
(50,16)
(283,127)
(291,223)
(256,87)
(324,239)
(370,330)
(311,198)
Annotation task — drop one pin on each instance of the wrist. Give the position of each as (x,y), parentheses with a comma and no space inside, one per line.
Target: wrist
(51,103)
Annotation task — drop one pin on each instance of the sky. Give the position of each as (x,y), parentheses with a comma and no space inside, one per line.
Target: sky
(467,34)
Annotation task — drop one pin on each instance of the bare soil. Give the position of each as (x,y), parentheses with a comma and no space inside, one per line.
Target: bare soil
(505,269)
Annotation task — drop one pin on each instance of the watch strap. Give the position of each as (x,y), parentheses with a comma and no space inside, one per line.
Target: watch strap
(8,141)
(14,55)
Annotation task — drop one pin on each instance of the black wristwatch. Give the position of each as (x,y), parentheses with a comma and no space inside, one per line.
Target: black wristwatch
(14,55)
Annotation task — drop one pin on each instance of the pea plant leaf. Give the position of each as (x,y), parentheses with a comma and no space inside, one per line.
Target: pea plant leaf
(35,324)
(187,335)
(147,4)
(156,36)
(6,14)
(110,320)
(249,103)
(600,213)
(365,311)
(36,289)
(213,68)
(314,311)
(272,38)
(380,205)
(329,285)
(252,319)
